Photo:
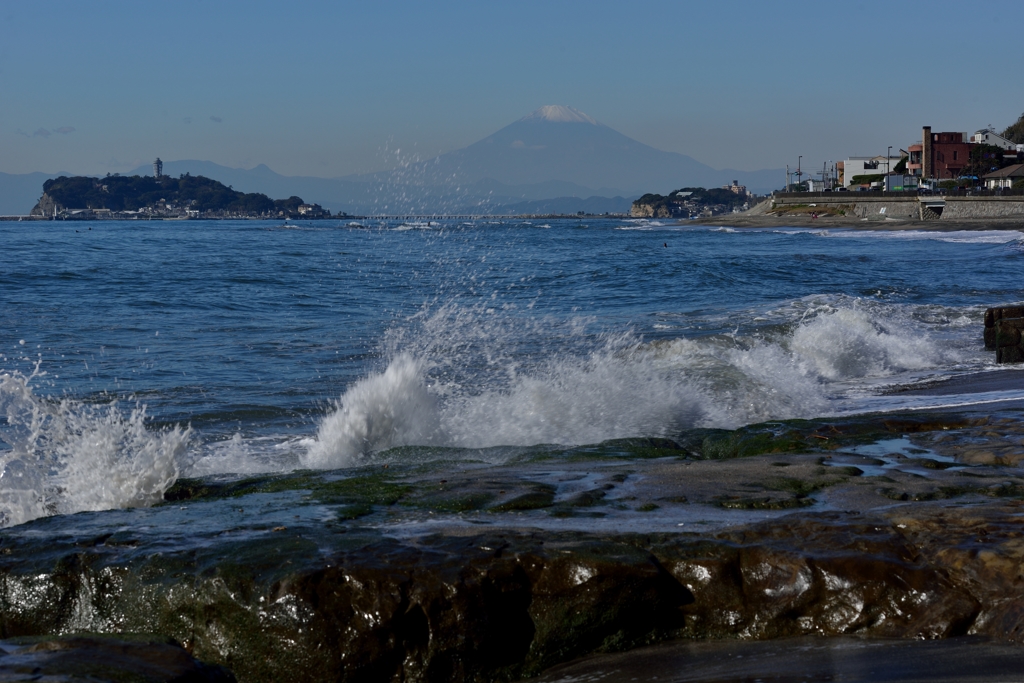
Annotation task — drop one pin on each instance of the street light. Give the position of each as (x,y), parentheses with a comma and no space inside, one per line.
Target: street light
(885,187)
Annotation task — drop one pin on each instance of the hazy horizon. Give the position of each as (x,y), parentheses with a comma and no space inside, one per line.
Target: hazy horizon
(329,91)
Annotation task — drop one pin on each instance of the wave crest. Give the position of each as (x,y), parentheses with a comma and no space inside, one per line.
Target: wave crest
(69,456)
(459,381)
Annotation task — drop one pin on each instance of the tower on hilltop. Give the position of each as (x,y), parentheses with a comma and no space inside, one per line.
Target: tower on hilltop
(158,168)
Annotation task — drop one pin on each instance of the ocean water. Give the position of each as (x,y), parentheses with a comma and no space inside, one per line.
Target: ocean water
(132,354)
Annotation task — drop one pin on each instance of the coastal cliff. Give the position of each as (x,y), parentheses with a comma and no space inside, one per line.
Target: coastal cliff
(46,206)
(649,210)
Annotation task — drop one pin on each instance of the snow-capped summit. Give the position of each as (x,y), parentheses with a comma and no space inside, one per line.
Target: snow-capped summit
(558,113)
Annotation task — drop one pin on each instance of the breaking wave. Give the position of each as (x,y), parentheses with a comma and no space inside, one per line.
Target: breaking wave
(452,380)
(66,456)
(484,377)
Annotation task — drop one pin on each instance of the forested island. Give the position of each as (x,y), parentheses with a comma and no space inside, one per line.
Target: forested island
(689,202)
(186,196)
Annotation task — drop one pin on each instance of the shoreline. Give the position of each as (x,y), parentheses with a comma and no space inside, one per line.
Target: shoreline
(847,223)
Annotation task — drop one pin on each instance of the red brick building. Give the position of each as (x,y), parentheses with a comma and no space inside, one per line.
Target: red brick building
(940,155)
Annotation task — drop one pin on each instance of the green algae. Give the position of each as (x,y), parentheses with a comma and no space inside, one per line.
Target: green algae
(356,495)
(802,436)
(455,501)
(1009,489)
(375,488)
(209,489)
(783,493)
(543,496)
(764,502)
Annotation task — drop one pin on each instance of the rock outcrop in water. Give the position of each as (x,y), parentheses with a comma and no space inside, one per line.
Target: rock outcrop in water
(345,576)
(1003,328)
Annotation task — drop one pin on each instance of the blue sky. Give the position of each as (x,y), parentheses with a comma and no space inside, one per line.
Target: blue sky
(333,88)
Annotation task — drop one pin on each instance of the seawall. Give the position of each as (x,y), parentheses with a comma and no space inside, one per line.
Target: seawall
(881,206)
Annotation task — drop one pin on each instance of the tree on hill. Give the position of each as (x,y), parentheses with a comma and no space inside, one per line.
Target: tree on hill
(1015,132)
(715,195)
(985,159)
(684,200)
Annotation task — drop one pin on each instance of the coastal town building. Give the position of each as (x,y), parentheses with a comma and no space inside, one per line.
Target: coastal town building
(1004,177)
(987,136)
(312,211)
(736,188)
(861,166)
(940,155)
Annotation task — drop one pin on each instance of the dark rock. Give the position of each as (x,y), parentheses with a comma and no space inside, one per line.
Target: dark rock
(268,576)
(802,659)
(1008,331)
(101,658)
(1000,312)
(501,606)
(1010,354)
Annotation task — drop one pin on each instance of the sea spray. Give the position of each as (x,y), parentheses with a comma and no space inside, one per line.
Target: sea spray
(67,456)
(849,343)
(383,410)
(606,395)
(459,378)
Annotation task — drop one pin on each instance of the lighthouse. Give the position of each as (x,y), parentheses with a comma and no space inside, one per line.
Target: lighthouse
(158,168)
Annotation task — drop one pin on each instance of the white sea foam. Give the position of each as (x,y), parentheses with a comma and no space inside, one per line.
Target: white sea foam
(849,343)
(67,456)
(954,236)
(614,392)
(238,454)
(451,382)
(393,408)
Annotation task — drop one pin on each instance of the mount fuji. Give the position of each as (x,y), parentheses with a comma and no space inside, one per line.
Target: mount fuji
(554,160)
(560,144)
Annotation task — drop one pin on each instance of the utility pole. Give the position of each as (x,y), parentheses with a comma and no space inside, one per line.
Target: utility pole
(787,177)
(799,173)
(888,152)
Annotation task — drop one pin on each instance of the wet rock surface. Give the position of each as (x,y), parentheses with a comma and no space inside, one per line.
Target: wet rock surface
(104,659)
(806,659)
(500,567)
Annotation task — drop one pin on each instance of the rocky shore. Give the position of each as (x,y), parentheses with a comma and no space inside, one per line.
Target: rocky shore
(502,565)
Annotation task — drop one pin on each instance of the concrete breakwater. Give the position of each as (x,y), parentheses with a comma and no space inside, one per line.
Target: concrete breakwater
(902,207)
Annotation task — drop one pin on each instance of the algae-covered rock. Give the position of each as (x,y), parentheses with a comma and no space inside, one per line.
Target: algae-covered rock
(435,572)
(306,605)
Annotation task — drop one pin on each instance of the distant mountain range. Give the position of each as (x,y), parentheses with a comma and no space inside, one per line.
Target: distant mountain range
(564,144)
(550,161)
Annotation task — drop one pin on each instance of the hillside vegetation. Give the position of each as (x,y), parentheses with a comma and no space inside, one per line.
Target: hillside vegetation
(131,193)
(687,201)
(1015,132)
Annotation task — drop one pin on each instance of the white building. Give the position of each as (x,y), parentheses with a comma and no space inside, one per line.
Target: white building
(987,136)
(1004,177)
(855,166)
